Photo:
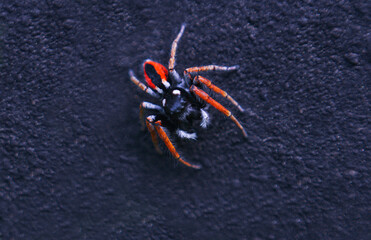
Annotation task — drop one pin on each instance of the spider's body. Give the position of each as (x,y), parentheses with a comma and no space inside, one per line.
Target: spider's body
(180,107)
(182,100)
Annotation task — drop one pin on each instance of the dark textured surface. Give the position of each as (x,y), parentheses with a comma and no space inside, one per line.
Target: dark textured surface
(75,165)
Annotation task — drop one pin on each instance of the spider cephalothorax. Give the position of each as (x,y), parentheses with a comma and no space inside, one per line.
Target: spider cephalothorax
(182,103)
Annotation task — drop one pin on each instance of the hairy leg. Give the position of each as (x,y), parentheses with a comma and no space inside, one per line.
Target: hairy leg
(141,85)
(204,96)
(162,134)
(207,83)
(174,47)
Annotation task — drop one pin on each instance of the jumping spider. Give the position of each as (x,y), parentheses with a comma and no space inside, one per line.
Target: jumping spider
(182,100)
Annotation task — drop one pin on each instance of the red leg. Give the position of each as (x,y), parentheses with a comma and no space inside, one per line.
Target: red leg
(152,131)
(147,105)
(173,49)
(207,83)
(204,96)
(162,134)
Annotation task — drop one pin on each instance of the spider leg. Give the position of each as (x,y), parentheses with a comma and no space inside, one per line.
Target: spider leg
(162,134)
(204,96)
(152,131)
(147,105)
(188,71)
(141,85)
(173,49)
(207,83)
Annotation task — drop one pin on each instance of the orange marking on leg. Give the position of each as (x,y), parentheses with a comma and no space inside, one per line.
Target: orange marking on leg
(162,134)
(152,131)
(204,96)
(238,125)
(214,88)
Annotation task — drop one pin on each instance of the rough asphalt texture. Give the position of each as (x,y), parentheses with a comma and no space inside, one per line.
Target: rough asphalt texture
(75,164)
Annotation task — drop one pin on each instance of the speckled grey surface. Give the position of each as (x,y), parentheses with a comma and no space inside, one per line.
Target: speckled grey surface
(75,164)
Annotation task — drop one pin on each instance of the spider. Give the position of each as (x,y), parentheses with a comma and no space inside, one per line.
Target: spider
(183,101)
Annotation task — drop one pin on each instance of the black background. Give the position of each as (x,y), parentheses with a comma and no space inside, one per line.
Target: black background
(75,164)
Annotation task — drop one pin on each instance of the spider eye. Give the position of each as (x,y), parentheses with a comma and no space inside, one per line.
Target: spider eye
(156,76)
(176,92)
(163,102)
